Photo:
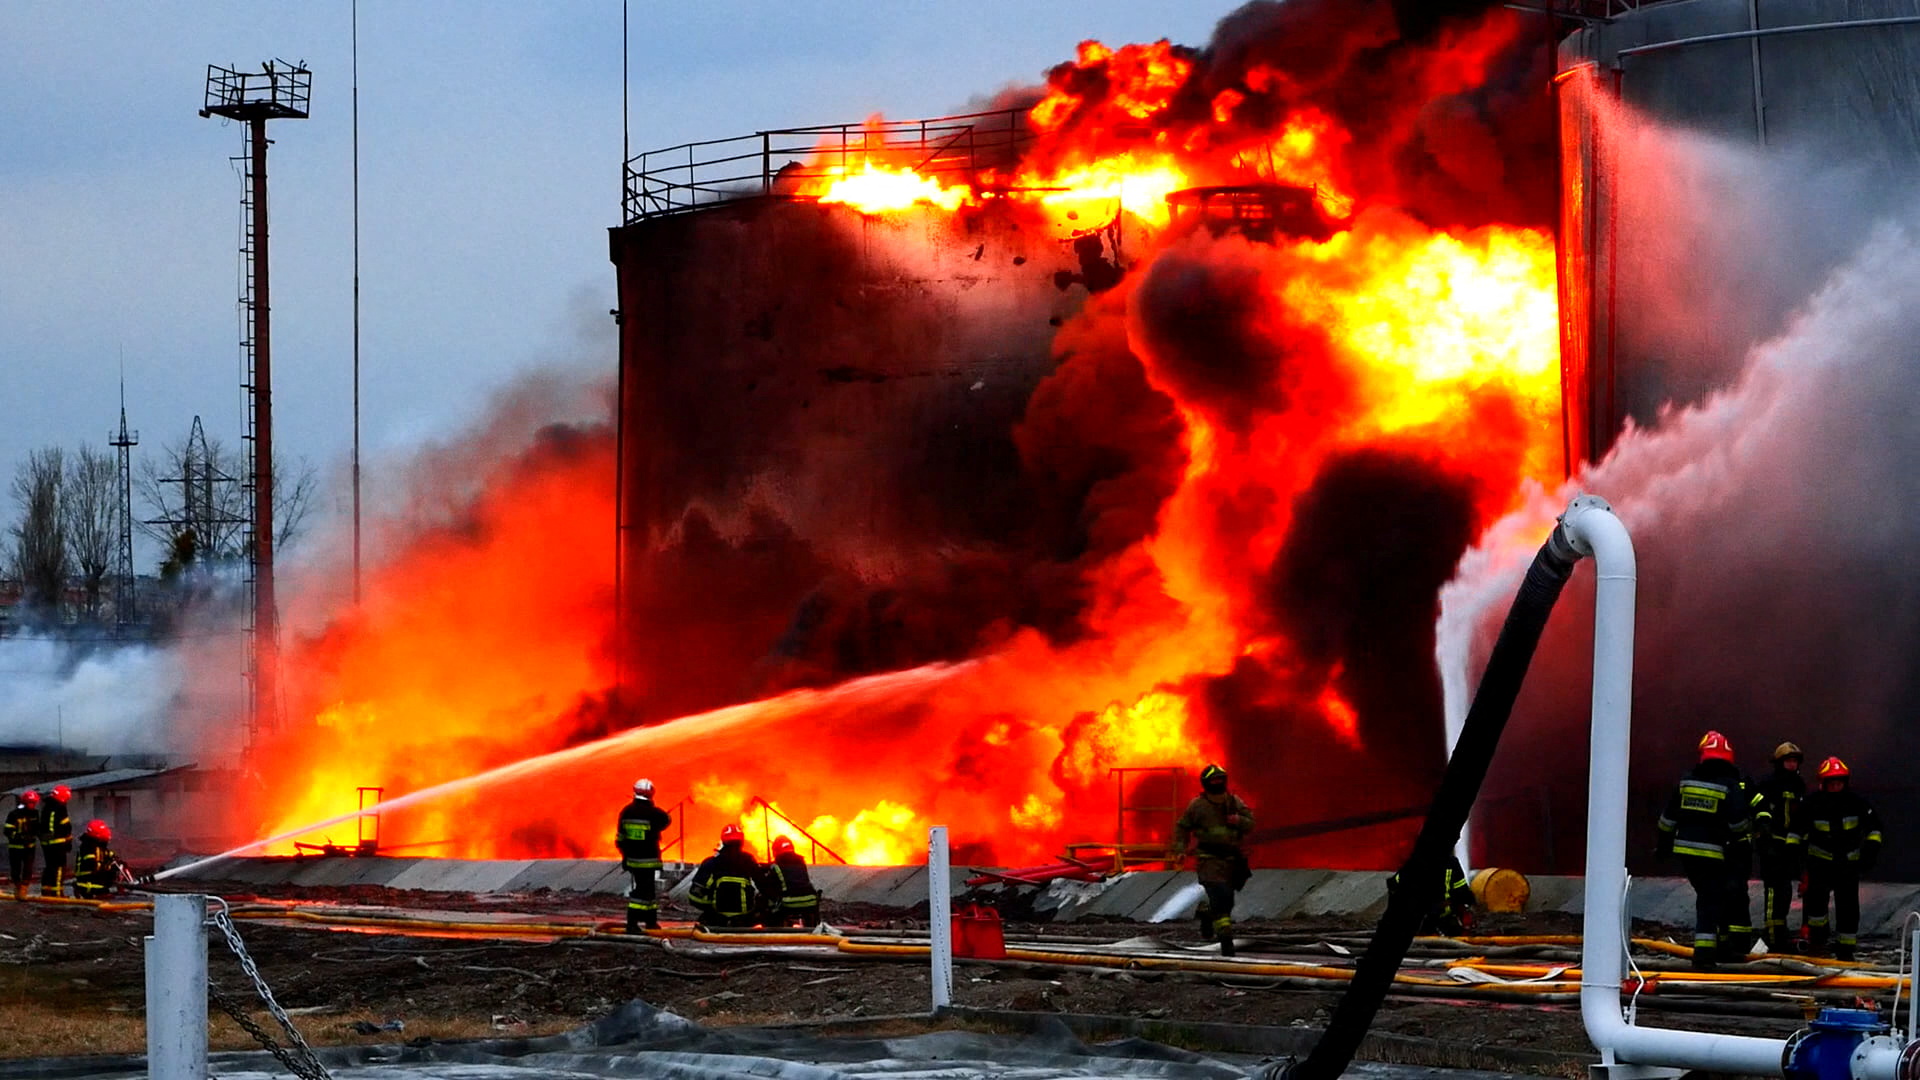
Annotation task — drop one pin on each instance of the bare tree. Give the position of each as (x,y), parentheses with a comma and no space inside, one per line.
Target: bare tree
(90,512)
(198,486)
(40,558)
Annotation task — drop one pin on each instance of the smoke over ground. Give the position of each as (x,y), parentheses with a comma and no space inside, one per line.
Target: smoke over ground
(1773,519)
(96,698)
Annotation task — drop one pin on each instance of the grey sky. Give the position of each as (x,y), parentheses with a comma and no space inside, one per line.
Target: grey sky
(490,147)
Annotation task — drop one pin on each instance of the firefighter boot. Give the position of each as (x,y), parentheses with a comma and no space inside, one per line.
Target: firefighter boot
(1205,917)
(1843,947)
(633,921)
(1223,929)
(20,892)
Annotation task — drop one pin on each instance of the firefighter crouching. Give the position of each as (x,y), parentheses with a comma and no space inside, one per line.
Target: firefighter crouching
(23,834)
(786,888)
(1843,843)
(96,869)
(1449,907)
(637,836)
(723,890)
(1708,824)
(1779,810)
(1216,822)
(56,840)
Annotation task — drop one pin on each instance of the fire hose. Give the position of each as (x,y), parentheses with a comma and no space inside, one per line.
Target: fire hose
(1471,977)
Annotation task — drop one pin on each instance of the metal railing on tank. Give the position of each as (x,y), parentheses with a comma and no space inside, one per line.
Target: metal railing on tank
(768,812)
(792,161)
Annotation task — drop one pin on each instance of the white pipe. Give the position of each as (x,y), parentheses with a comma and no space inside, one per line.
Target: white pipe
(1913,984)
(1593,530)
(940,917)
(177,989)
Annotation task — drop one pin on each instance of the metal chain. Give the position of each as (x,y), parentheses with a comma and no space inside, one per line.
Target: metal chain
(239,1014)
(308,1067)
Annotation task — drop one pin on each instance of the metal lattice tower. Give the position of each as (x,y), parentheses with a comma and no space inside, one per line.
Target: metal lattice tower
(278,91)
(125,588)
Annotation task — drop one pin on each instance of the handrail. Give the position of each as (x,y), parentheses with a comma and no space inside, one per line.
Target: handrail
(766,831)
(695,175)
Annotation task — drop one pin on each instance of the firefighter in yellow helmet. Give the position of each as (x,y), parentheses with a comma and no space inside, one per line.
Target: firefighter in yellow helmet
(1216,823)
(1843,843)
(1779,809)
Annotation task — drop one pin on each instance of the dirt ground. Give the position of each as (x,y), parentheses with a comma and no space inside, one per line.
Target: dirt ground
(71,981)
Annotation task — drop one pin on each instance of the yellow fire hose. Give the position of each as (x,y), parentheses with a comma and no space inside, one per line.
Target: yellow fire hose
(1537,978)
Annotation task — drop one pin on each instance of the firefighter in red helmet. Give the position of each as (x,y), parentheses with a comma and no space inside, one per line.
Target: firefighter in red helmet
(23,835)
(1708,823)
(1843,843)
(1216,823)
(96,869)
(786,888)
(56,840)
(724,889)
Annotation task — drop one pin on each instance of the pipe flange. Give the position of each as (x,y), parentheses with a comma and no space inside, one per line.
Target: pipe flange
(1788,1048)
(1873,1046)
(1909,1066)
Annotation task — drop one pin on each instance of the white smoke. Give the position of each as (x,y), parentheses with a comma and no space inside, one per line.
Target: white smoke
(89,697)
(1776,523)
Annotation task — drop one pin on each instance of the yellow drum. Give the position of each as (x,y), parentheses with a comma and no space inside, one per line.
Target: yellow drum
(1499,890)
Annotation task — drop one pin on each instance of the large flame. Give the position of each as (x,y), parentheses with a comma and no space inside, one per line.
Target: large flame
(480,645)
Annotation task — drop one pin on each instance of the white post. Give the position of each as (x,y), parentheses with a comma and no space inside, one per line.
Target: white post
(940,916)
(177,989)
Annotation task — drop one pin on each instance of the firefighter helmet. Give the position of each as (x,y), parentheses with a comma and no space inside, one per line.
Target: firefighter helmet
(98,830)
(1833,769)
(62,792)
(732,834)
(1213,778)
(1786,750)
(30,798)
(782,846)
(1715,745)
(643,788)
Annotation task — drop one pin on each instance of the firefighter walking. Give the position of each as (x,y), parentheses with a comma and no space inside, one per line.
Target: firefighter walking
(96,869)
(724,888)
(1779,809)
(1708,823)
(787,888)
(1843,843)
(1216,823)
(637,837)
(56,840)
(23,835)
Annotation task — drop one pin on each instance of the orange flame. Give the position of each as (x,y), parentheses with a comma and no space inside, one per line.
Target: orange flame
(470,652)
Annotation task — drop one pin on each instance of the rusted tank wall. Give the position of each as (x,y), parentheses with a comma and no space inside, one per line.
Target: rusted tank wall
(809,395)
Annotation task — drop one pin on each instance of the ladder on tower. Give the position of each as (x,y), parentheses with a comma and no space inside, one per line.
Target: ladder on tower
(247,357)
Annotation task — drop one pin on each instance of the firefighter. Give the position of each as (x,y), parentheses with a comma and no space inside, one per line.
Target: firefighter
(1215,823)
(637,836)
(56,839)
(23,833)
(723,889)
(1450,912)
(1708,824)
(96,869)
(787,889)
(1843,843)
(1779,805)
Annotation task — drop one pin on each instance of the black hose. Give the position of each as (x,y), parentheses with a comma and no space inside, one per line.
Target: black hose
(1421,876)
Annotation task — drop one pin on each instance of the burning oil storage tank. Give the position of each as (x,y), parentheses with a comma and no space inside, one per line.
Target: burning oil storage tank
(816,402)
(1828,88)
